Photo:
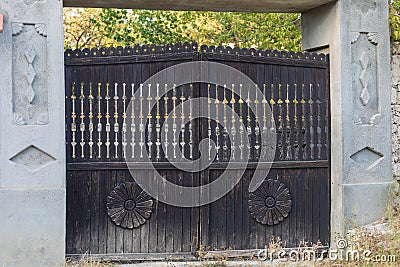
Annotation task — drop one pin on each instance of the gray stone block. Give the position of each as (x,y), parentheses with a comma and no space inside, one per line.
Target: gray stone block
(32,231)
(364,203)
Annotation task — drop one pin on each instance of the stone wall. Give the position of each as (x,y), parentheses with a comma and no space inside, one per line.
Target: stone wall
(396,109)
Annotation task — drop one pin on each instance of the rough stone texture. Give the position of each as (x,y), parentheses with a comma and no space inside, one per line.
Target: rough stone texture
(32,228)
(357,36)
(211,5)
(32,149)
(364,201)
(396,109)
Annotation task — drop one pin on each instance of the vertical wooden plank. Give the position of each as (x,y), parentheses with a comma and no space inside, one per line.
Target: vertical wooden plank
(110,182)
(204,211)
(70,214)
(79,216)
(186,215)
(230,216)
(86,211)
(169,238)
(309,201)
(300,207)
(154,67)
(195,177)
(94,219)
(145,228)
(238,215)
(214,217)
(285,224)
(120,177)
(292,174)
(178,216)
(316,205)
(222,215)
(325,182)
(245,210)
(161,217)
(103,217)
(136,232)
(153,221)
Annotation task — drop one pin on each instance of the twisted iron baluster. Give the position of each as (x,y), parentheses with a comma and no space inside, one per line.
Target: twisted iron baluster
(264,129)
(288,129)
(217,132)
(319,128)
(174,126)
(82,125)
(209,123)
(249,130)
(73,124)
(149,123)
(182,143)
(190,124)
(303,120)
(296,125)
(233,129)
(108,125)
(225,132)
(124,126)
(158,126)
(91,127)
(116,124)
(99,116)
(280,120)
(141,117)
(166,143)
(256,127)
(241,129)
(133,124)
(273,103)
(311,134)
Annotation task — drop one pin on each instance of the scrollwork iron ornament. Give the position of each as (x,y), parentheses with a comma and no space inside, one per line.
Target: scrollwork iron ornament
(129,206)
(271,203)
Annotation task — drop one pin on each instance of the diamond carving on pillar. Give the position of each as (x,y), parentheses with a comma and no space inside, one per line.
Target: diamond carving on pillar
(365,96)
(32,158)
(367,157)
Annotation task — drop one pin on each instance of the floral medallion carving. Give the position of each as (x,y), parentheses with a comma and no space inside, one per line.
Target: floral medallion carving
(271,203)
(129,206)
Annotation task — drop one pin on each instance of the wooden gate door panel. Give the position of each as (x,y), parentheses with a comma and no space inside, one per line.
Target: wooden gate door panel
(102,193)
(92,175)
(299,92)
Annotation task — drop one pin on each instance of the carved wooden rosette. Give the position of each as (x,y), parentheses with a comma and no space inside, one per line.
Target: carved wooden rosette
(271,203)
(129,206)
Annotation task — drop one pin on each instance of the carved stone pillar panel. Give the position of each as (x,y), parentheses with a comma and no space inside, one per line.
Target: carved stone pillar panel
(32,156)
(358,43)
(31,85)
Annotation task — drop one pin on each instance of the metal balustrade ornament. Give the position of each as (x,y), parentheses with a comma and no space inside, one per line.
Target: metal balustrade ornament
(297,109)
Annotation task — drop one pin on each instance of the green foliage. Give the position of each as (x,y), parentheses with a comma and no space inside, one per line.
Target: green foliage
(121,27)
(394,16)
(130,27)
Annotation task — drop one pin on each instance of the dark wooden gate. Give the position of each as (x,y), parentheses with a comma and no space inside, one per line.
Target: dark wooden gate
(107,212)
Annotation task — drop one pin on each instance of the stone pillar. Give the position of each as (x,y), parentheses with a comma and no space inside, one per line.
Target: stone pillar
(356,35)
(32,153)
